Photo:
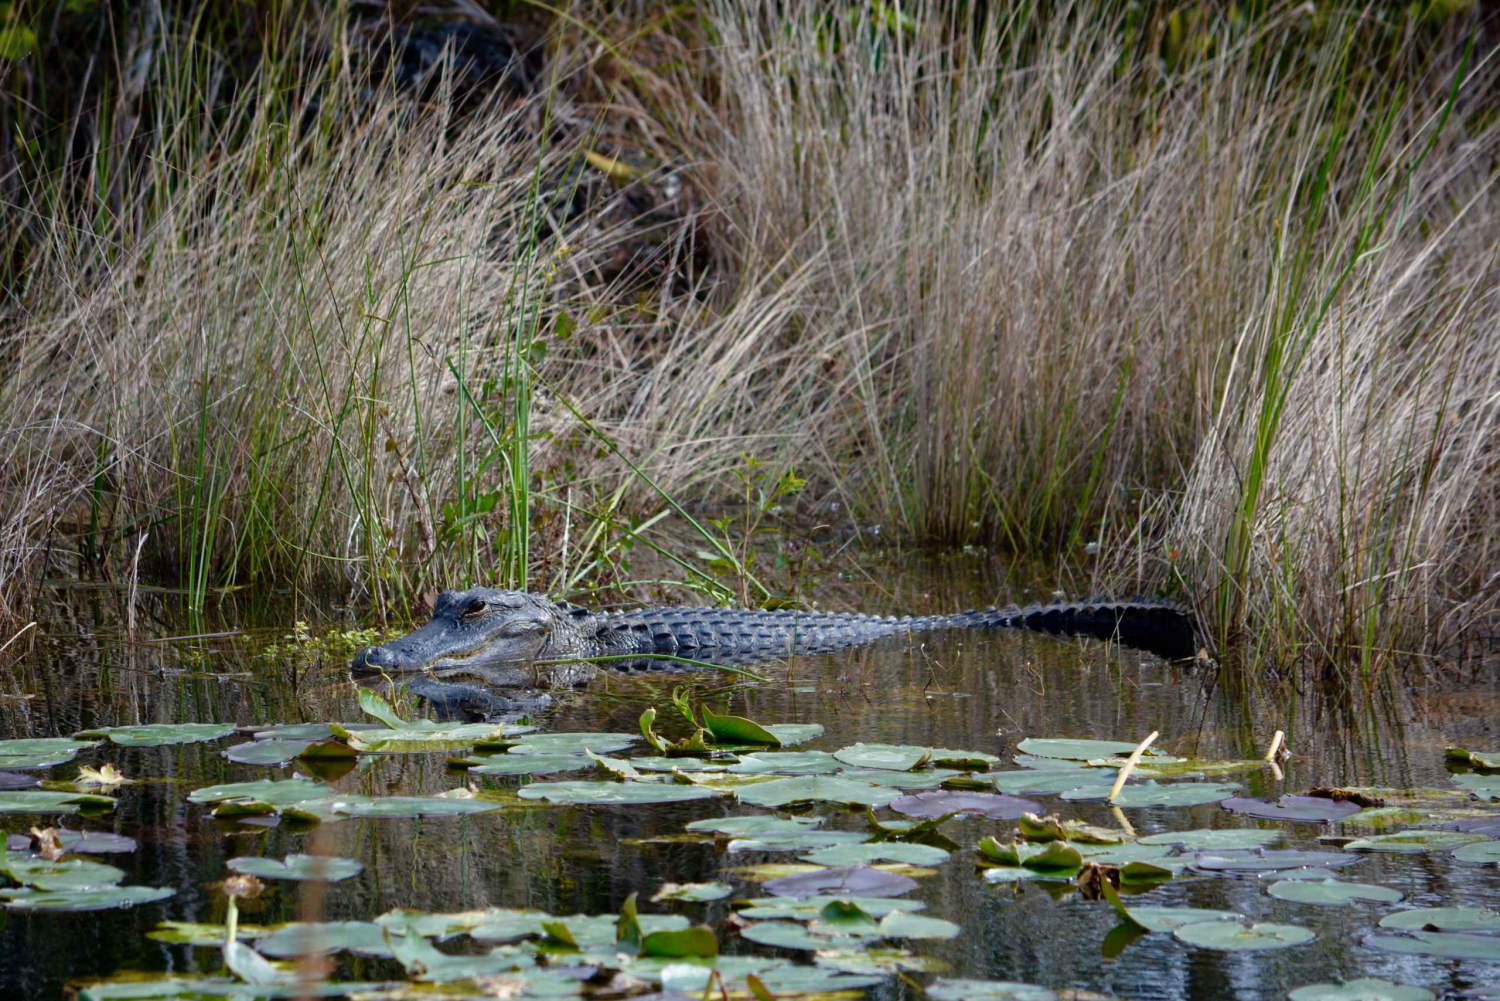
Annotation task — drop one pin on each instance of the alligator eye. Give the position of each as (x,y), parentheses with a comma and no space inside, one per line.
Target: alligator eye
(475,608)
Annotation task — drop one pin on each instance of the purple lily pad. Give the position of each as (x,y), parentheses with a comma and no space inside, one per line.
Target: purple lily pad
(1262,860)
(1300,809)
(853,881)
(80,842)
(942,802)
(15,780)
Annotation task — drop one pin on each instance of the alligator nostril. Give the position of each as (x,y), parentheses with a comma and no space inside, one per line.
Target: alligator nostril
(372,658)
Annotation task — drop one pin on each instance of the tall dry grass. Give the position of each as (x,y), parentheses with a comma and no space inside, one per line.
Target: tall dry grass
(1219,325)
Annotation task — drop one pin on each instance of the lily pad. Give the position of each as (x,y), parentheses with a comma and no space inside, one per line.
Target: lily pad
(415,738)
(1331,892)
(1449,945)
(1231,936)
(1414,842)
(409,806)
(322,938)
(858,881)
(1363,989)
(796,841)
(1483,786)
(684,764)
(326,868)
(755,824)
(1153,794)
(1300,809)
(816,789)
(79,842)
(159,734)
(894,757)
(613,792)
(1216,840)
(1165,919)
(64,874)
(1074,750)
(794,733)
(944,989)
(1485,852)
(969,761)
(18,780)
(529,764)
(98,899)
(900,924)
(574,743)
(1443,919)
(810,908)
(41,752)
(309,731)
(44,801)
(1124,854)
(692,892)
(1268,860)
(1052,781)
(946,801)
(791,935)
(737,729)
(884,851)
(786,763)
(268,753)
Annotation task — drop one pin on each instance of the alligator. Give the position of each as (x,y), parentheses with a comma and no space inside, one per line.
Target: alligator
(513,639)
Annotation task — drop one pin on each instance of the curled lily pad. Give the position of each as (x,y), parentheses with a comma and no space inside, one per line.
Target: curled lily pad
(1052,781)
(1152,794)
(816,788)
(884,851)
(1301,809)
(45,801)
(159,734)
(692,892)
(894,757)
(944,989)
(859,881)
(1231,936)
(1216,840)
(1073,750)
(945,801)
(737,730)
(755,824)
(1449,945)
(1331,892)
(41,752)
(1484,761)
(95,899)
(786,763)
(613,792)
(322,938)
(529,764)
(1268,860)
(326,868)
(1485,852)
(1363,989)
(1414,842)
(969,761)
(1443,919)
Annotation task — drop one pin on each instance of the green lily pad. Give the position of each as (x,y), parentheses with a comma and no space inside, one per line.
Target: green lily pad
(737,730)
(1268,860)
(159,734)
(947,801)
(277,792)
(79,842)
(43,801)
(1052,781)
(1231,936)
(418,739)
(529,764)
(1331,892)
(816,789)
(1152,794)
(267,753)
(1443,919)
(786,763)
(385,807)
(574,743)
(900,924)
(843,917)
(893,757)
(1483,786)
(1165,919)
(41,752)
(1074,750)
(692,892)
(969,761)
(1414,842)
(926,778)
(755,824)
(791,935)
(1448,945)
(811,908)
(944,989)
(877,960)
(1485,761)
(96,899)
(884,851)
(1485,852)
(683,764)
(797,841)
(1363,989)
(614,792)
(326,868)
(195,933)
(790,734)
(1124,854)
(323,938)
(64,874)
(1216,840)
(857,881)
(312,731)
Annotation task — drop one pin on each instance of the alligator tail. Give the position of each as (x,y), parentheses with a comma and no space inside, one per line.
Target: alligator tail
(1158,627)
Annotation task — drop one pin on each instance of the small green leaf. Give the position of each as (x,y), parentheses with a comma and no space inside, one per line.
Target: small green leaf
(737,730)
(374,704)
(698,940)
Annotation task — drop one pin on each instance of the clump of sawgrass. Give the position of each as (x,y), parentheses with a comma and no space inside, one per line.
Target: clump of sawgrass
(1205,310)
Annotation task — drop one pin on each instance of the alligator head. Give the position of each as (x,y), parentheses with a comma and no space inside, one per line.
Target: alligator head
(482,632)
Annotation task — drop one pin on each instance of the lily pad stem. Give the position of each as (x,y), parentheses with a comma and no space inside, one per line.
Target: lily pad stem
(1129,766)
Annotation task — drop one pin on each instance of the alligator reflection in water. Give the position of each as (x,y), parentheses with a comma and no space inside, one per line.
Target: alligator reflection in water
(523,642)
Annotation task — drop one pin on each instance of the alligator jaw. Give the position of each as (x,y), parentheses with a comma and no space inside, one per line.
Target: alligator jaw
(481,629)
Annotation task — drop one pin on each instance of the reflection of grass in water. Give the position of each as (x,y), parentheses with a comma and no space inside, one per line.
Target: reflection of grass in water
(1203,305)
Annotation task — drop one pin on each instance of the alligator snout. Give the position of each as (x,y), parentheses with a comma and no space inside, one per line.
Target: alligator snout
(388,659)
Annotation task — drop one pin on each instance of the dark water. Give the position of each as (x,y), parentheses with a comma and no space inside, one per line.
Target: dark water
(980,692)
